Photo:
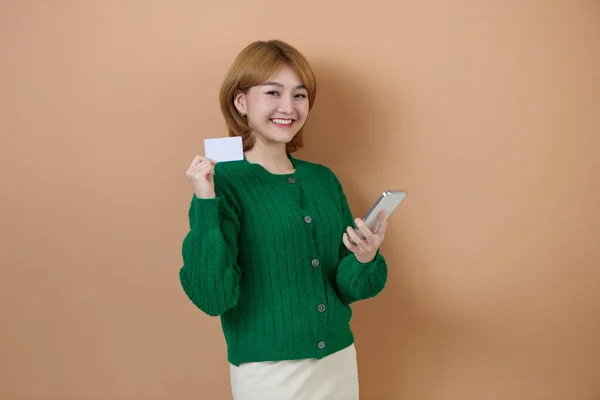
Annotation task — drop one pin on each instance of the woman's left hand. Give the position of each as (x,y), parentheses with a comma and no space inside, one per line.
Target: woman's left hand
(365,249)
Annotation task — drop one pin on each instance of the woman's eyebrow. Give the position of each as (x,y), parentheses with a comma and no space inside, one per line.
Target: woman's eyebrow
(270,83)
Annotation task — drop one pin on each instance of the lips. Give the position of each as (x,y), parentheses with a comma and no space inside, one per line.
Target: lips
(283,122)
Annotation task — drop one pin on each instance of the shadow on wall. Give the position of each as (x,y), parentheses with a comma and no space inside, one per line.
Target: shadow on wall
(348,130)
(339,130)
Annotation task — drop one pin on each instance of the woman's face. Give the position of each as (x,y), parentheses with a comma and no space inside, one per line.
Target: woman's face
(277,109)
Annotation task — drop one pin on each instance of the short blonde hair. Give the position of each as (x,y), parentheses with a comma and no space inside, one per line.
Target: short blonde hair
(252,67)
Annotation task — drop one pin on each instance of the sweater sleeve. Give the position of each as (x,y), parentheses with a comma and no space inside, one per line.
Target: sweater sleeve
(354,280)
(210,274)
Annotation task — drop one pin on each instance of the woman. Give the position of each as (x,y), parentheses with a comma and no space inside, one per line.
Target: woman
(271,248)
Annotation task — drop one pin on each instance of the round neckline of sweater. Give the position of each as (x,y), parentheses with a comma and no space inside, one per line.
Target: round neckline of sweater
(268,176)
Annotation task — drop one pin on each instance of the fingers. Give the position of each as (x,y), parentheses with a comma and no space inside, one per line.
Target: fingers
(201,166)
(382,227)
(199,159)
(360,243)
(205,168)
(372,240)
(348,244)
(366,232)
(195,161)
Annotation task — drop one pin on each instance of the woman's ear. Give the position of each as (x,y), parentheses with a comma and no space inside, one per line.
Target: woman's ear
(239,101)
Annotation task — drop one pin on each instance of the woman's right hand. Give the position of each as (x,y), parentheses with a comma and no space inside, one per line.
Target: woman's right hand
(201,175)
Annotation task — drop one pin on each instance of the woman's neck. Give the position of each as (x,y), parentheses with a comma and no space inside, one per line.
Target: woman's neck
(274,159)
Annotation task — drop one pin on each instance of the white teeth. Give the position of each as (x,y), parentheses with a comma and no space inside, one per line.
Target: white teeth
(282,121)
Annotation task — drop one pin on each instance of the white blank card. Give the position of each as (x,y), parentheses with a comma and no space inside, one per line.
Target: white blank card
(224,149)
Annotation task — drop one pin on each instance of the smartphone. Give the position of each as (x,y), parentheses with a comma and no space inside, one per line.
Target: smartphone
(387,202)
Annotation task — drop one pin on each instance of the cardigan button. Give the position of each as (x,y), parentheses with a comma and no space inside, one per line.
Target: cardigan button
(292,180)
(308,219)
(315,263)
(321,307)
(321,345)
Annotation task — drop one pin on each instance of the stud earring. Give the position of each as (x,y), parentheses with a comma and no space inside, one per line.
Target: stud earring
(243,114)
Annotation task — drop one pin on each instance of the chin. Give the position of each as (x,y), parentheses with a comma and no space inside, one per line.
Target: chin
(274,134)
(287,138)
(281,137)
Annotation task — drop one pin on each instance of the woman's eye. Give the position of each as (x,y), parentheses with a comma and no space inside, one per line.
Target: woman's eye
(302,96)
(273,92)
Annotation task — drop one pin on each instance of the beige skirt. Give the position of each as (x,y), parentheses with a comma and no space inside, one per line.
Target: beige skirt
(334,377)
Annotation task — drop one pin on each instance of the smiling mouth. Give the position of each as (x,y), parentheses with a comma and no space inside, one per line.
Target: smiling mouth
(282,122)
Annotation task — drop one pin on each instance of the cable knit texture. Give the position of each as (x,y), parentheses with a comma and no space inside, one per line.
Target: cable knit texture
(266,255)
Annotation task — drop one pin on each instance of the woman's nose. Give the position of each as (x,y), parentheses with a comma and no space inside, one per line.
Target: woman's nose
(285,104)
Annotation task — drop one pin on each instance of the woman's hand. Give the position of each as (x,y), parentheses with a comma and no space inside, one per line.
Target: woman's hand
(201,175)
(365,249)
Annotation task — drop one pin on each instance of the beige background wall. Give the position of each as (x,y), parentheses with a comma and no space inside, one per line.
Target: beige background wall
(488,113)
